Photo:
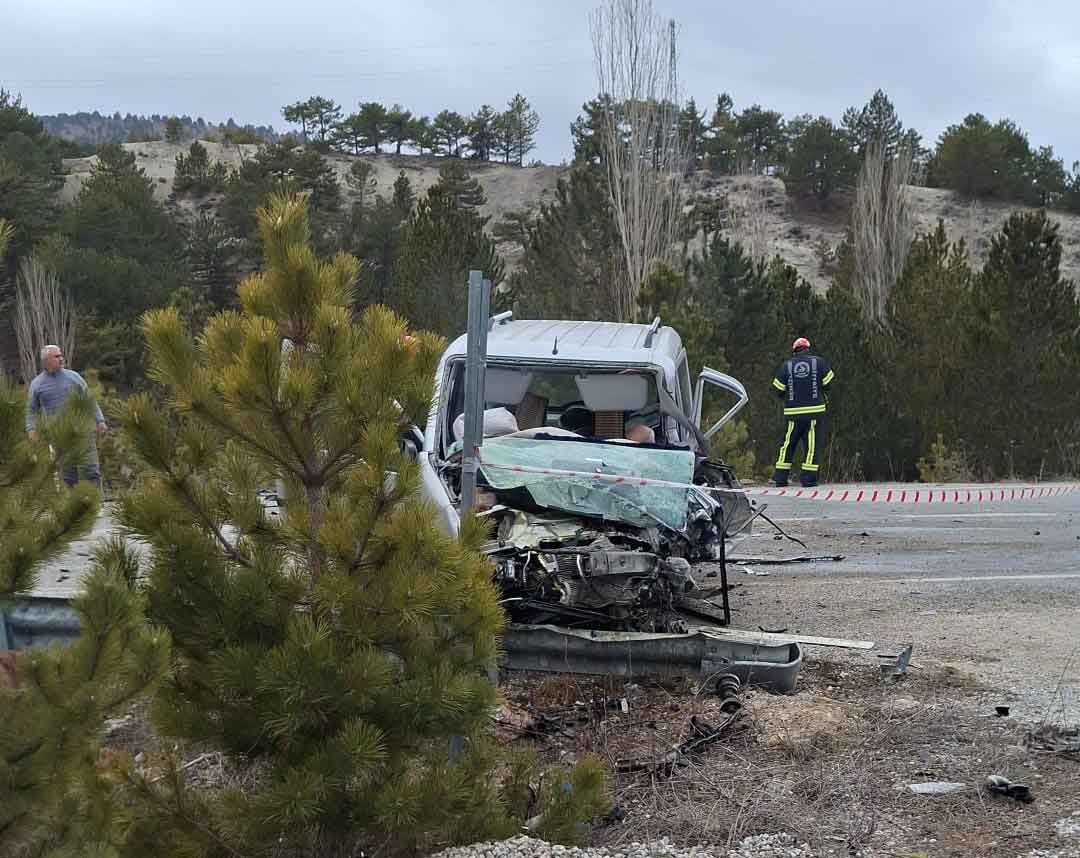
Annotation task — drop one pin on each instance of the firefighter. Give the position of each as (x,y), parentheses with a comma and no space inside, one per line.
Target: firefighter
(801,382)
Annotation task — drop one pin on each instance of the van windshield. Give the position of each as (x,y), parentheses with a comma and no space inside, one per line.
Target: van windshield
(575,481)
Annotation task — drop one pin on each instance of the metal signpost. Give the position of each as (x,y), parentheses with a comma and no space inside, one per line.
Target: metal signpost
(475,366)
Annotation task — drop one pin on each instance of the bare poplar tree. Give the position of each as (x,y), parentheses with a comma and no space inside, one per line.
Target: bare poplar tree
(43,315)
(883,227)
(642,148)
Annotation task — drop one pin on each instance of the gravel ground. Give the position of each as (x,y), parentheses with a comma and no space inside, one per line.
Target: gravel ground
(758,846)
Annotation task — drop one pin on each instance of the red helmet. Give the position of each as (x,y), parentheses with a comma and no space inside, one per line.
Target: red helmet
(800,343)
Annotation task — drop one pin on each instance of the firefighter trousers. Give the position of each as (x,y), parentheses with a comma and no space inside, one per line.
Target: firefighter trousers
(808,430)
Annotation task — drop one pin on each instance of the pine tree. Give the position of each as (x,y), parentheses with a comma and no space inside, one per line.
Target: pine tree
(274,167)
(724,147)
(524,123)
(361,181)
(120,251)
(196,174)
(348,134)
(1024,331)
(482,132)
(404,196)
(568,267)
(52,800)
(585,131)
(1048,177)
(448,129)
(299,113)
(210,251)
(820,161)
(421,134)
(399,127)
(373,118)
(692,130)
(462,187)
(980,159)
(443,241)
(173,129)
(31,173)
(342,645)
(505,135)
(761,136)
(323,114)
(876,122)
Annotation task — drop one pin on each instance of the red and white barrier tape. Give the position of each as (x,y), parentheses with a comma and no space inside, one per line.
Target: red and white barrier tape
(892,494)
(883,494)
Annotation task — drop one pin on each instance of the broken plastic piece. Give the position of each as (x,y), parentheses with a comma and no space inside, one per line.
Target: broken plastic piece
(936,788)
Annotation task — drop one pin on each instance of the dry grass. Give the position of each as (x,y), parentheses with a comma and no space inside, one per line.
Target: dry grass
(830,765)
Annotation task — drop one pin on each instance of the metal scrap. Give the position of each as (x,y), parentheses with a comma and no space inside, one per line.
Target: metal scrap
(702,733)
(782,561)
(894,667)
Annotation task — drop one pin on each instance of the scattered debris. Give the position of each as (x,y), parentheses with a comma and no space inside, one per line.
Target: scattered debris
(781,561)
(761,573)
(893,667)
(937,788)
(1070,826)
(1054,739)
(1001,785)
(726,686)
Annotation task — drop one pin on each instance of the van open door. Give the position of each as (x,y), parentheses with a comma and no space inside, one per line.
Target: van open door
(726,383)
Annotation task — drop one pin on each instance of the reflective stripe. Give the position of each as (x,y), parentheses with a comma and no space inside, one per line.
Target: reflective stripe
(813,468)
(811,447)
(782,460)
(808,409)
(779,385)
(828,377)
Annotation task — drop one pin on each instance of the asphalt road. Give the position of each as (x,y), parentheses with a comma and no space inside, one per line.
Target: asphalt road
(992,590)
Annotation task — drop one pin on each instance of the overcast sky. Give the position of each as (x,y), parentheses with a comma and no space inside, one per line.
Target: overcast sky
(937,59)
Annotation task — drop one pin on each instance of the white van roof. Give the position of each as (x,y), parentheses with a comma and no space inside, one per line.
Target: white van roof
(604,342)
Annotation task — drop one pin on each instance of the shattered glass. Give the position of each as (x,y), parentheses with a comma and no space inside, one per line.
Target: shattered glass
(635,505)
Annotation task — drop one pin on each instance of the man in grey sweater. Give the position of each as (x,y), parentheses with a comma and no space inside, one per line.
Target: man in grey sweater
(48,393)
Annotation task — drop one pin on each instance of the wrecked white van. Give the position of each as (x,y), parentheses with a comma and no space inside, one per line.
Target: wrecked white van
(591,529)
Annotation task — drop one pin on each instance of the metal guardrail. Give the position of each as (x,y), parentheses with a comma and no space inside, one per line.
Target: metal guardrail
(34,621)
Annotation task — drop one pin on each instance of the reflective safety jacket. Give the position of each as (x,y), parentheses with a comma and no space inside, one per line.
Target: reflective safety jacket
(801,382)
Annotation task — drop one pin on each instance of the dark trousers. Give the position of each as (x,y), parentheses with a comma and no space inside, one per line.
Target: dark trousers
(90,473)
(807,429)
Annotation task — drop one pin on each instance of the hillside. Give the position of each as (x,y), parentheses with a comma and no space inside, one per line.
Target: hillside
(762,213)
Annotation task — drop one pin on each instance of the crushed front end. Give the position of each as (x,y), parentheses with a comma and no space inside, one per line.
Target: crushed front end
(602,535)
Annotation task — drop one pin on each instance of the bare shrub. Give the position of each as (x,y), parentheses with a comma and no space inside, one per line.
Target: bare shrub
(641,146)
(749,219)
(883,227)
(43,315)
